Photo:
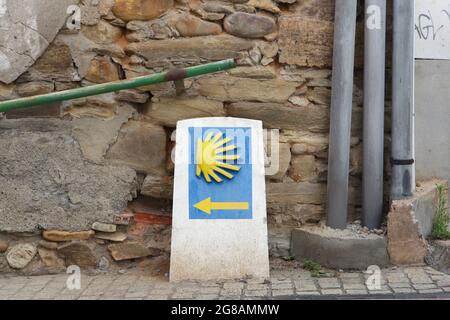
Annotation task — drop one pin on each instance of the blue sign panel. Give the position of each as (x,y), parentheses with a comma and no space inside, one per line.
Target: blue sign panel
(220,173)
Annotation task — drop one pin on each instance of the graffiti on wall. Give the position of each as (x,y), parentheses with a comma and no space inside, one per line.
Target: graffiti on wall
(432,29)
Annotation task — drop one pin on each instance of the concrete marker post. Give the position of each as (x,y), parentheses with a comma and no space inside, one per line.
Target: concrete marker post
(219,226)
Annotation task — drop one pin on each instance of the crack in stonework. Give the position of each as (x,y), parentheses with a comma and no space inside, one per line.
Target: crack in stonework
(18,53)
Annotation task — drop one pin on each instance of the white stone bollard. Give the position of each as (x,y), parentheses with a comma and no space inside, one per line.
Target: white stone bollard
(219,207)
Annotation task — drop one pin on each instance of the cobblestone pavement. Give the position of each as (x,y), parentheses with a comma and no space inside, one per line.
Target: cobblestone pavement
(292,284)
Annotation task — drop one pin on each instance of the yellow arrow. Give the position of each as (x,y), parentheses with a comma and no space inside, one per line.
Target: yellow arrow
(207,206)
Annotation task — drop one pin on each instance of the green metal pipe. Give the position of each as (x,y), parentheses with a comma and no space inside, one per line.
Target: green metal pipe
(173,75)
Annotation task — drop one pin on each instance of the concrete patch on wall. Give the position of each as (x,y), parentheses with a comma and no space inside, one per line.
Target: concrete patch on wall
(27,27)
(47,184)
(104,131)
(432,119)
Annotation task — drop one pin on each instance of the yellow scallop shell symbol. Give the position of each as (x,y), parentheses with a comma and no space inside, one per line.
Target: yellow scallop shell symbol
(210,154)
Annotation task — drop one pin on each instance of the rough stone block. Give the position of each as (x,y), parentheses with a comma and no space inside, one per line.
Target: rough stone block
(3,246)
(410,222)
(51,260)
(313,36)
(283,159)
(62,236)
(238,24)
(104,227)
(115,237)
(168,111)
(227,88)
(307,168)
(193,49)
(141,146)
(280,116)
(439,256)
(78,253)
(158,187)
(128,10)
(102,70)
(52,110)
(127,251)
(20,255)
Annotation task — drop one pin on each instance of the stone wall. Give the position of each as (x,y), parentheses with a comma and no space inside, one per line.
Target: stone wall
(284,51)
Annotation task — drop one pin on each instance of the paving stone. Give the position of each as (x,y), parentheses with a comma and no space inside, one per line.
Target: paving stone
(424,286)
(381,288)
(210,285)
(88,298)
(115,293)
(432,271)
(400,285)
(327,292)
(443,283)
(231,292)
(160,291)
(308,293)
(209,290)
(256,293)
(380,292)
(404,290)
(257,287)
(281,286)
(331,283)
(230,298)
(47,295)
(157,297)
(424,280)
(350,275)
(305,285)
(207,297)
(396,277)
(305,275)
(356,292)
(234,285)
(352,281)
(446,289)
(182,295)
(94,291)
(429,291)
(188,289)
(354,286)
(32,289)
(68,297)
(138,294)
(283,292)
(280,280)
(12,287)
